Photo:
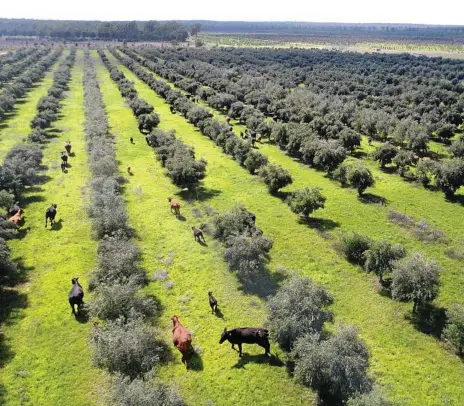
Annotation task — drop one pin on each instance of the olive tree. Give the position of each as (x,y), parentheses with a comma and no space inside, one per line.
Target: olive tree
(305,201)
(416,279)
(385,154)
(275,177)
(299,307)
(449,176)
(360,177)
(381,257)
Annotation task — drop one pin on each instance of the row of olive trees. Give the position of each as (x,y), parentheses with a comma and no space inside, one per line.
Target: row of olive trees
(273,175)
(413,279)
(24,82)
(23,59)
(125,344)
(49,106)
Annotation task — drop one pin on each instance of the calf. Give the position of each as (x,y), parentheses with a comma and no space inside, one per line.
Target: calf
(198,234)
(247,335)
(67,147)
(212,302)
(16,219)
(76,295)
(63,166)
(50,213)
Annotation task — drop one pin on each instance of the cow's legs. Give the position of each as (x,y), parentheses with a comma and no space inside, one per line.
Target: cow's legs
(239,350)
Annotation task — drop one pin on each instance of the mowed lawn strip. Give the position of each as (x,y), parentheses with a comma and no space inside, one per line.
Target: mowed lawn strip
(412,366)
(168,244)
(51,362)
(16,128)
(346,212)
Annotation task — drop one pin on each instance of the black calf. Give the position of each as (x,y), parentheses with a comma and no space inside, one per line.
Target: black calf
(76,295)
(198,235)
(212,302)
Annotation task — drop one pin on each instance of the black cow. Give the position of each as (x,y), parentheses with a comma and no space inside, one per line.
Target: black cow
(76,295)
(247,335)
(64,158)
(63,166)
(198,234)
(50,213)
(212,302)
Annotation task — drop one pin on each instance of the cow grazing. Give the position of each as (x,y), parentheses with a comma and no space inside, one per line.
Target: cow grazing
(247,335)
(182,340)
(50,214)
(175,206)
(14,209)
(63,166)
(198,234)
(67,147)
(212,302)
(76,295)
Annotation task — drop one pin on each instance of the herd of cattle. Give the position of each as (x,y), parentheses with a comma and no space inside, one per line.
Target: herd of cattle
(181,337)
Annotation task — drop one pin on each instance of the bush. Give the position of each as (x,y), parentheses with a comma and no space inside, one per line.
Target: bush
(416,279)
(128,348)
(182,167)
(354,246)
(381,257)
(385,154)
(6,199)
(403,160)
(7,268)
(454,331)
(449,176)
(119,300)
(138,392)
(147,122)
(246,255)
(298,308)
(306,201)
(424,171)
(336,368)
(457,147)
(233,223)
(197,114)
(254,160)
(275,177)
(360,178)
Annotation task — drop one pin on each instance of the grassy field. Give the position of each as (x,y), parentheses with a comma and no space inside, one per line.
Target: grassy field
(16,128)
(47,359)
(413,367)
(168,244)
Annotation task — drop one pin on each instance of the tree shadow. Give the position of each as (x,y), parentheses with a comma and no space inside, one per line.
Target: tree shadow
(459,199)
(385,288)
(388,169)
(369,198)
(318,223)
(262,284)
(199,193)
(246,358)
(16,275)
(429,319)
(359,154)
(31,199)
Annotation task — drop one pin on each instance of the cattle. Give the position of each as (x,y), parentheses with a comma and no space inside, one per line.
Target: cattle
(50,213)
(212,302)
(198,234)
(129,170)
(247,335)
(131,140)
(63,166)
(14,209)
(76,295)
(228,120)
(182,340)
(16,219)
(64,158)
(67,147)
(175,206)
(172,109)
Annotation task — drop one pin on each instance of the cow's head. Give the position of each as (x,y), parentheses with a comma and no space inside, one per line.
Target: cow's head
(75,281)
(224,336)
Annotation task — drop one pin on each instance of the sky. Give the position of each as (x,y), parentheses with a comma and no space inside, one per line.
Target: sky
(443,12)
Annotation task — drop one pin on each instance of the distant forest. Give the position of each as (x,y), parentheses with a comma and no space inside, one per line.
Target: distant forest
(174,30)
(105,30)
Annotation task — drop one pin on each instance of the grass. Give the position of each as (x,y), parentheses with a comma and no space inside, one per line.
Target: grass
(413,367)
(47,359)
(168,244)
(16,128)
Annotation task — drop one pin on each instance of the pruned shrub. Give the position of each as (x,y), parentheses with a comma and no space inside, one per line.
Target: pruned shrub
(336,368)
(305,201)
(130,348)
(454,331)
(139,392)
(233,223)
(275,177)
(354,246)
(298,308)
(254,160)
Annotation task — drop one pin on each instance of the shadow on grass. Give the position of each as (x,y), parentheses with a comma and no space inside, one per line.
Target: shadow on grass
(359,154)
(262,284)
(218,313)
(57,225)
(195,363)
(199,193)
(83,316)
(429,319)
(456,199)
(273,360)
(370,198)
(319,224)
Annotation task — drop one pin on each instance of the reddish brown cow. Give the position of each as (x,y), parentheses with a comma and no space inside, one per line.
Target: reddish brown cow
(182,339)
(16,219)
(175,206)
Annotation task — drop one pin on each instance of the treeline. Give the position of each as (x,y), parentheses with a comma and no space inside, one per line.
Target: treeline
(95,30)
(25,81)
(126,344)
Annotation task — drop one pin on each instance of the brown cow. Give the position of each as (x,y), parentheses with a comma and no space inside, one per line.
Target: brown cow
(182,340)
(16,219)
(175,206)
(67,147)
